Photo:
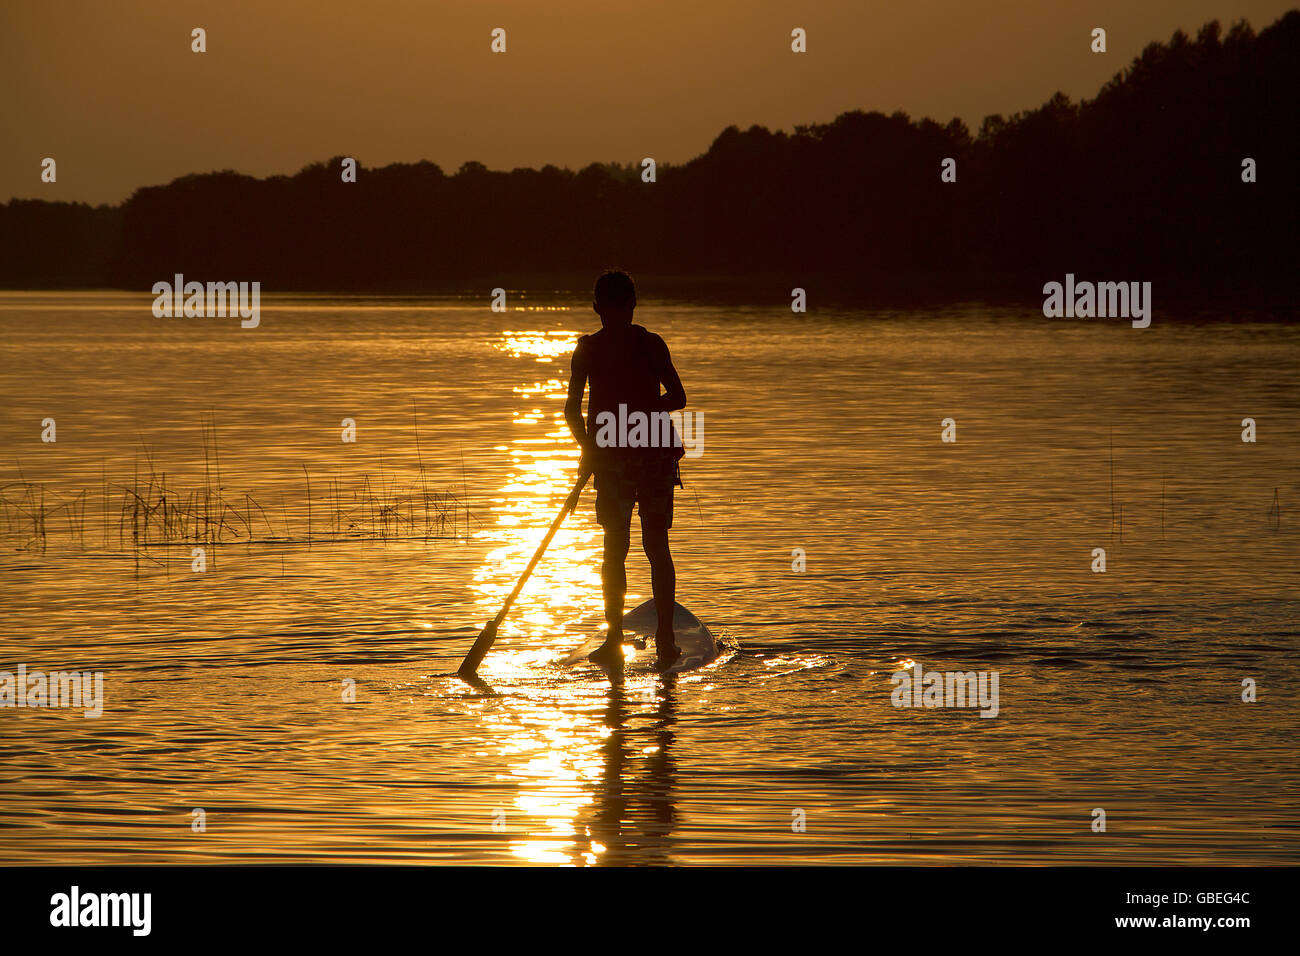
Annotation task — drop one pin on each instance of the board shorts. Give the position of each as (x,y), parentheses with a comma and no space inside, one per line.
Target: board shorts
(647,481)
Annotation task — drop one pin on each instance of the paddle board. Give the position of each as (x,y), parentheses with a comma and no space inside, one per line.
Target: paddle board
(698,646)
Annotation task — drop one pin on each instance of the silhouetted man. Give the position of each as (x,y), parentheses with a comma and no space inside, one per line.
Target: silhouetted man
(625,365)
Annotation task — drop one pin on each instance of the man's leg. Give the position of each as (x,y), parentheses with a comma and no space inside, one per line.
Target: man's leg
(613,576)
(614,512)
(663,581)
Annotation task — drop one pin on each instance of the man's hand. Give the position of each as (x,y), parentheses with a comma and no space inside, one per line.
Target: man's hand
(590,455)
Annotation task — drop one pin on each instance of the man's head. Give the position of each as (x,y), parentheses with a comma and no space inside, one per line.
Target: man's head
(615,299)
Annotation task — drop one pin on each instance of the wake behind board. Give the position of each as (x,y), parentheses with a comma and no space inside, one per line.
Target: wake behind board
(697,644)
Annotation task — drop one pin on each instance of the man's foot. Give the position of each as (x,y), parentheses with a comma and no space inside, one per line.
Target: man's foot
(666,651)
(666,658)
(611,652)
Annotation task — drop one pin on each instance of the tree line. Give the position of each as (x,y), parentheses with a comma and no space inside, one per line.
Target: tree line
(1144,181)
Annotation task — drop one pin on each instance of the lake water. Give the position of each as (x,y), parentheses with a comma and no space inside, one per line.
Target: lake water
(1119,691)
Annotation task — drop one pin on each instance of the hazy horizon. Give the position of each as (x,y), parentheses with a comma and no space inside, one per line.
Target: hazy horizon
(121,102)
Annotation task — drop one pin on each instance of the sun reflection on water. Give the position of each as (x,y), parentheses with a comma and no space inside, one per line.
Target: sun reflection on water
(565,587)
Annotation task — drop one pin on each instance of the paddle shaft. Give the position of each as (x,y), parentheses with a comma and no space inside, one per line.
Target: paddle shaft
(489,634)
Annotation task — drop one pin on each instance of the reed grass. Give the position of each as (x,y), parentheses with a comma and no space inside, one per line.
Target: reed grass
(152,509)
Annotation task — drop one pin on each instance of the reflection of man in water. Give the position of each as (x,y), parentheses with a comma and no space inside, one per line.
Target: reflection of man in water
(634,809)
(626,364)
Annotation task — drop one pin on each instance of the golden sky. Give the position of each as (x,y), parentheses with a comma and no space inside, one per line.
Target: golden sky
(111,90)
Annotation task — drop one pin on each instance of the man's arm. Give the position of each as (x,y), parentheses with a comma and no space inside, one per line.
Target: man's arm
(573,404)
(674,396)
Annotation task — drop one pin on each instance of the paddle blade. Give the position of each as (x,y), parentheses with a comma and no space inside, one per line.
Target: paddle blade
(469,666)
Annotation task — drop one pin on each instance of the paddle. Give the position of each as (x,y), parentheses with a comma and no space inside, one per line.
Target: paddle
(469,666)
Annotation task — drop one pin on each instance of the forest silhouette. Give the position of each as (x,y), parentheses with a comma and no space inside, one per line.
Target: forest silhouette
(1142,182)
